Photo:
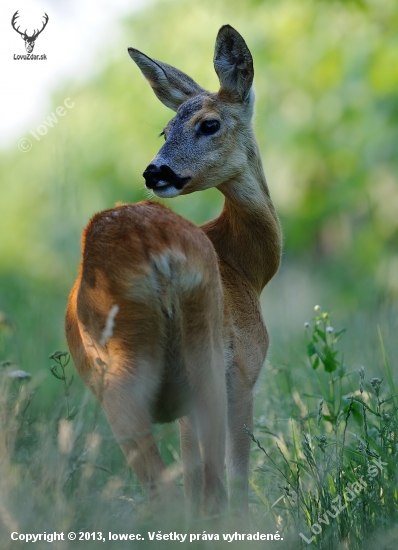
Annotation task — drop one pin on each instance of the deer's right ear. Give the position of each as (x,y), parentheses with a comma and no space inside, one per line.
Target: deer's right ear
(233,64)
(170,85)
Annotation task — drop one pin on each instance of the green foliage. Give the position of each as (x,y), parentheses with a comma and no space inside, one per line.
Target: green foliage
(338,485)
(327,113)
(62,359)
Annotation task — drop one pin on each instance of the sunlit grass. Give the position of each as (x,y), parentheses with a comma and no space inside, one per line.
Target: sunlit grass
(314,441)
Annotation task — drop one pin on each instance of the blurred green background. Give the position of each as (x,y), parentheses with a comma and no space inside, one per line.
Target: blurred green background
(326,79)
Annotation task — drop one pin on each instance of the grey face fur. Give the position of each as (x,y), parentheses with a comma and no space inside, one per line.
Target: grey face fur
(209,139)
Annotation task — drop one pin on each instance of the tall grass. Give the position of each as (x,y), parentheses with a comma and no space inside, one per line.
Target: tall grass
(324,477)
(335,471)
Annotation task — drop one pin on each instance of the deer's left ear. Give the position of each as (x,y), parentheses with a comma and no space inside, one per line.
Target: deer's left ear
(170,85)
(233,63)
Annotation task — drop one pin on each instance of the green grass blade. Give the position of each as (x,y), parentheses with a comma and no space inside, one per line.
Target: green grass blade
(387,365)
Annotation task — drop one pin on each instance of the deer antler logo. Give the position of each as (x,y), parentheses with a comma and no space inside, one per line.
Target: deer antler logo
(29,40)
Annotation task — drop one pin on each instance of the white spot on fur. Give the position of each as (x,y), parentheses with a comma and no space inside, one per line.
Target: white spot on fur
(162,264)
(109,324)
(163,285)
(190,280)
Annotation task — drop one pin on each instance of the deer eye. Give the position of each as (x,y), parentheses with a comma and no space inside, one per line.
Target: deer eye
(209,127)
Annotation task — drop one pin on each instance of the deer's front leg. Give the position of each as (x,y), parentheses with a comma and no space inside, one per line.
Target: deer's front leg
(240,414)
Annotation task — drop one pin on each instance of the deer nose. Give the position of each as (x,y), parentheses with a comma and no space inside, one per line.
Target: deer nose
(156,177)
(152,175)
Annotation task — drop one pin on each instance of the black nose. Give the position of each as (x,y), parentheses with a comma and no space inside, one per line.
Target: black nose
(154,174)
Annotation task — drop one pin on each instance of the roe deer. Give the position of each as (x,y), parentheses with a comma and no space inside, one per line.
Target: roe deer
(164,320)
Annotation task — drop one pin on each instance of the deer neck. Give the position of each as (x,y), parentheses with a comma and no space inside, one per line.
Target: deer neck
(247,234)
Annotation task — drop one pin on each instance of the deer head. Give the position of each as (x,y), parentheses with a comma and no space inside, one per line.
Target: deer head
(29,40)
(210,140)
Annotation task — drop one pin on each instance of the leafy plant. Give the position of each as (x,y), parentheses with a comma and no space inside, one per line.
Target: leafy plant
(339,483)
(62,359)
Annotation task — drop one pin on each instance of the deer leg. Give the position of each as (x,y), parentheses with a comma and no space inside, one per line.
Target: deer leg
(126,404)
(240,414)
(209,410)
(211,416)
(191,465)
(205,429)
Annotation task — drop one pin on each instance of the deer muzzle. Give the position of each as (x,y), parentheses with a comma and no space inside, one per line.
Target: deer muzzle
(157,177)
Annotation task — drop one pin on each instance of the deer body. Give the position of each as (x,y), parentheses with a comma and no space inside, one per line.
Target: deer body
(188,340)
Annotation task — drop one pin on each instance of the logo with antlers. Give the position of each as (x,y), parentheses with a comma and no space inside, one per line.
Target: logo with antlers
(29,40)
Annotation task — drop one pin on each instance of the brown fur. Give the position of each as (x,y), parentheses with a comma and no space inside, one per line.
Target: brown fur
(188,339)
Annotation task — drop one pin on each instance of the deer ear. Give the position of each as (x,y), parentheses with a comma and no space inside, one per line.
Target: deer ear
(170,85)
(233,63)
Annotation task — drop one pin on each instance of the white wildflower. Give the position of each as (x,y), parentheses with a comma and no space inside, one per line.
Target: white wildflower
(18,374)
